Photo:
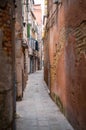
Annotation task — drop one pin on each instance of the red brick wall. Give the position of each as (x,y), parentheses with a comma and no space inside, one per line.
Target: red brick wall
(19,54)
(67,54)
(75,54)
(6,65)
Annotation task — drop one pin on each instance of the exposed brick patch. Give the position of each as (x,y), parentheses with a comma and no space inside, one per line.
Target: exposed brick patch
(6,77)
(80,35)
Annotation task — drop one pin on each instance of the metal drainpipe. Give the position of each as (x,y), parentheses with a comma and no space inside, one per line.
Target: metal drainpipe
(14,70)
(14,102)
(14,93)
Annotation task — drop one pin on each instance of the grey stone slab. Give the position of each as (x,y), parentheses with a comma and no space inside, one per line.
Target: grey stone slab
(44,128)
(29,128)
(55,128)
(43,123)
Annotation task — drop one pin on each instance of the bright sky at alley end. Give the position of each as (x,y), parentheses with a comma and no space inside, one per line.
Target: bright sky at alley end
(37,1)
(42,5)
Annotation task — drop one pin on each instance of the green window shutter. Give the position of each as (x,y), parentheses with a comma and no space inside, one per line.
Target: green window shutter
(28,30)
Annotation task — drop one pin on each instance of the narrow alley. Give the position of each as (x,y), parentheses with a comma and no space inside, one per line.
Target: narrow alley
(37,111)
(42,64)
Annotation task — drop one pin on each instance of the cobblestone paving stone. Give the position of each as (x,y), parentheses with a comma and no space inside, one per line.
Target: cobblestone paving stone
(37,111)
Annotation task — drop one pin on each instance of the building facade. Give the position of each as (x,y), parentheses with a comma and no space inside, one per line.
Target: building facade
(33,45)
(38,14)
(65,58)
(17,37)
(25,10)
(7,66)
(19,53)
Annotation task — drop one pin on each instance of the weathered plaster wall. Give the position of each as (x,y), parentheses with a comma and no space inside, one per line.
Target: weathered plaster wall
(6,65)
(19,51)
(67,56)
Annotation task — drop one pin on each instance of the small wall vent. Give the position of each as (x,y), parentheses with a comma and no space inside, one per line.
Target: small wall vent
(56,1)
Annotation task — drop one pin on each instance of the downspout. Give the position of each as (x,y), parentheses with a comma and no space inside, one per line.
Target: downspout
(14,69)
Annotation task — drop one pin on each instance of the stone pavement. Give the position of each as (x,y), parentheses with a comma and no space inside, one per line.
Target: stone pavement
(37,111)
